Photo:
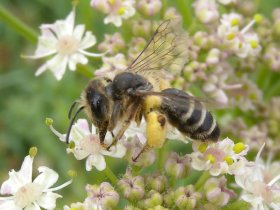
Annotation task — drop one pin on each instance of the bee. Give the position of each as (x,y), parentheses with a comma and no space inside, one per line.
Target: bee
(137,93)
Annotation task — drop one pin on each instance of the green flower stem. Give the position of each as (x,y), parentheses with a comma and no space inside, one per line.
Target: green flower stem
(202,179)
(184,6)
(237,205)
(273,91)
(15,23)
(163,8)
(160,162)
(111,176)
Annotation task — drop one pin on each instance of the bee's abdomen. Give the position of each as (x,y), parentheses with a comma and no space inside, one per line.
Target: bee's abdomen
(190,117)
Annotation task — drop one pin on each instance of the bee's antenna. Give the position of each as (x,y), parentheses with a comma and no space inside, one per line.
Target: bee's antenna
(72,122)
(71,109)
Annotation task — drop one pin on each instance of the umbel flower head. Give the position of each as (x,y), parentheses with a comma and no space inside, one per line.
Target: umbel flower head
(67,44)
(27,194)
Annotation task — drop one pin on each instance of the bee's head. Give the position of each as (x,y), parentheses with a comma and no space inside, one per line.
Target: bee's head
(96,101)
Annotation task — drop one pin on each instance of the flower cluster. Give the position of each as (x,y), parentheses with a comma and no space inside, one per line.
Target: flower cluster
(233,59)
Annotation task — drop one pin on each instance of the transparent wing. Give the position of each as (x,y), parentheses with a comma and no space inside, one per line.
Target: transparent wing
(167,46)
(180,98)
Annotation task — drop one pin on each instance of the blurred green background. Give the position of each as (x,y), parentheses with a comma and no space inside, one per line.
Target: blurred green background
(26,100)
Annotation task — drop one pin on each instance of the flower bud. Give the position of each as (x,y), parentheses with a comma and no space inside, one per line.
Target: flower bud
(172,13)
(169,198)
(157,182)
(132,187)
(103,195)
(134,147)
(141,28)
(130,207)
(186,197)
(216,192)
(213,56)
(148,7)
(206,11)
(176,166)
(100,5)
(112,43)
(159,207)
(153,199)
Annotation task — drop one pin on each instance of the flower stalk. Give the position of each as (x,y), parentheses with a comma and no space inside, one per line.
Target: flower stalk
(202,179)
(19,26)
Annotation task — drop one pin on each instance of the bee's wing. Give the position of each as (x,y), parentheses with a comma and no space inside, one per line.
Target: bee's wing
(167,46)
(184,99)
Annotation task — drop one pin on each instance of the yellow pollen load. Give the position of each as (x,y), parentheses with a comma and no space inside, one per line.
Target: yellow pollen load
(156,129)
(121,11)
(202,147)
(151,103)
(211,158)
(234,22)
(254,44)
(228,159)
(231,36)
(239,147)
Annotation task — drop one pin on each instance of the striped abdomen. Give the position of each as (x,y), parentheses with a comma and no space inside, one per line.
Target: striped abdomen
(189,116)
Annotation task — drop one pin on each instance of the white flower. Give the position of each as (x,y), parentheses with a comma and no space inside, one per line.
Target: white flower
(206,11)
(67,43)
(111,66)
(260,192)
(27,194)
(86,144)
(226,2)
(116,10)
(238,41)
(219,158)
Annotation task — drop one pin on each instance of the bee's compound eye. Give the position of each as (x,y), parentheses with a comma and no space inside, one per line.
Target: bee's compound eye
(99,105)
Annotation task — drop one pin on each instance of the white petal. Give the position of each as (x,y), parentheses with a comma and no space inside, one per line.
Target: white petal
(32,207)
(48,200)
(88,41)
(117,151)
(79,153)
(18,179)
(92,54)
(82,124)
(46,178)
(78,32)
(9,205)
(116,20)
(64,27)
(41,69)
(75,59)
(58,65)
(96,160)
(26,169)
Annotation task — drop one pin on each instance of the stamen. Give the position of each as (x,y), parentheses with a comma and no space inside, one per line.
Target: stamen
(59,187)
(274,180)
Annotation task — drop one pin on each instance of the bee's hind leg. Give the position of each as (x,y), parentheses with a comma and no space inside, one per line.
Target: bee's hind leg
(144,149)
